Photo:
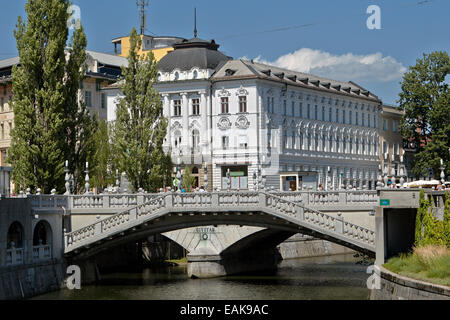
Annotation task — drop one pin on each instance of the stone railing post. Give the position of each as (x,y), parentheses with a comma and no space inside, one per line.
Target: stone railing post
(262,200)
(301,213)
(140,199)
(106,201)
(169,200)
(342,197)
(339,221)
(98,228)
(215,200)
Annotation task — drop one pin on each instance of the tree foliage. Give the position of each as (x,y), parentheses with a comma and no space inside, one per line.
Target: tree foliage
(188,179)
(103,174)
(426,101)
(37,150)
(140,128)
(430,230)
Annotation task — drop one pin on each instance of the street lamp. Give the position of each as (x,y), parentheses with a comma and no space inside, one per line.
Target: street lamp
(254,180)
(442,172)
(228,180)
(205,176)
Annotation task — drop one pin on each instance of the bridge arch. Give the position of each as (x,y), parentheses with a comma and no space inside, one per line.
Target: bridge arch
(42,234)
(16,236)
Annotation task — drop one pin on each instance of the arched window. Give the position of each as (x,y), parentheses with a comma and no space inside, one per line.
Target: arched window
(324,143)
(316,142)
(177,76)
(195,138)
(177,140)
(338,147)
(301,141)
(194,170)
(293,140)
(15,237)
(195,74)
(42,234)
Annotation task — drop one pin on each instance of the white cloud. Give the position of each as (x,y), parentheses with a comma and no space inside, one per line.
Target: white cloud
(346,67)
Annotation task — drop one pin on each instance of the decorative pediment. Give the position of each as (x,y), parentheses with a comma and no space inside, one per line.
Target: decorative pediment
(242,92)
(224,123)
(242,122)
(194,124)
(224,93)
(176,126)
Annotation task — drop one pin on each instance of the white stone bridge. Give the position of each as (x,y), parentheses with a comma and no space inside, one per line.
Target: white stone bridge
(173,211)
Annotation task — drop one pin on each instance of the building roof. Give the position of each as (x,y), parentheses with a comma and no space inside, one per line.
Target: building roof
(108,59)
(7,63)
(238,69)
(192,53)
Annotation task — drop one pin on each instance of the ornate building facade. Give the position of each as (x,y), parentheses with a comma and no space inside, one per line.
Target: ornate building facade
(243,124)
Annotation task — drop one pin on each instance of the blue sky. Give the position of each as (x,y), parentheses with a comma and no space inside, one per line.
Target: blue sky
(335,43)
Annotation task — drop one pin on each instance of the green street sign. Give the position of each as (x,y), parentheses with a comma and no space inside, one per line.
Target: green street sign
(385,202)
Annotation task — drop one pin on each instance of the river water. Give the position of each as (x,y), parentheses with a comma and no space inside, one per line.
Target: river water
(323,278)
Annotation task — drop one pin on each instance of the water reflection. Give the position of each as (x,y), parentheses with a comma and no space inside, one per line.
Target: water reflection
(324,278)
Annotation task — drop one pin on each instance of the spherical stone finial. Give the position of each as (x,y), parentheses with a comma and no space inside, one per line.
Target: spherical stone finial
(53,192)
(38,191)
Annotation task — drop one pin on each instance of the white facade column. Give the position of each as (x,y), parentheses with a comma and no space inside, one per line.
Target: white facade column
(204,115)
(185,113)
(167,114)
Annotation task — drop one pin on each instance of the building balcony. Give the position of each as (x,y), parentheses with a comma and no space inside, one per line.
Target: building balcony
(42,253)
(15,256)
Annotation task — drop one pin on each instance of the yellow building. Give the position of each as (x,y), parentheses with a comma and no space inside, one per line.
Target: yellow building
(159,45)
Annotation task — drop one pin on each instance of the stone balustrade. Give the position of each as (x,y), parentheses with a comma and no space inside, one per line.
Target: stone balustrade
(42,253)
(269,203)
(120,201)
(15,256)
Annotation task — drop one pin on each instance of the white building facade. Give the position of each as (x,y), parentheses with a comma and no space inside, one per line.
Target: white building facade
(254,125)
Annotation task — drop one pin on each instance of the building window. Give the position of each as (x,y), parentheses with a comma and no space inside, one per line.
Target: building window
(350,120)
(177,108)
(243,142)
(385,125)
(273,105)
(225,142)
(343,117)
(196,107)
(357,118)
(323,113)
(316,112)
(103,101)
(284,108)
(363,116)
(224,105)
(88,98)
(293,108)
(395,126)
(301,109)
(177,141)
(242,104)
(396,149)
(177,76)
(195,138)
(385,147)
(337,115)
(330,115)
(309,111)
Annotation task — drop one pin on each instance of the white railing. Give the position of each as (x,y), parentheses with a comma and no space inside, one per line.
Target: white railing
(15,256)
(47,201)
(41,253)
(323,198)
(220,201)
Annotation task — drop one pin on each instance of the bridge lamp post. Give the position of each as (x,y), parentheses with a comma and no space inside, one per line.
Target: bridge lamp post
(255,182)
(228,180)
(205,176)
(117,181)
(442,172)
(67,178)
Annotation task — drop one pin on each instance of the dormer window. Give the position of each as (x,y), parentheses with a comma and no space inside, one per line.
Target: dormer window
(176,76)
(159,76)
(195,74)
(267,72)
(279,75)
(230,72)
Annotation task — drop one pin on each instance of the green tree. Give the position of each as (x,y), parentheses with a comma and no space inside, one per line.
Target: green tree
(37,148)
(140,128)
(188,179)
(426,101)
(80,127)
(103,173)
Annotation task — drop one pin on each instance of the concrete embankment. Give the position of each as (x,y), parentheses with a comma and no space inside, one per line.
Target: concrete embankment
(396,287)
(22,282)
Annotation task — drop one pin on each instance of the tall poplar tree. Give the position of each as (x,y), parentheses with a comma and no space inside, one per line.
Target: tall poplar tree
(140,127)
(51,126)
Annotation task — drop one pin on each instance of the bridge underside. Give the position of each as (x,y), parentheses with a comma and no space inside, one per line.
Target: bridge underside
(252,252)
